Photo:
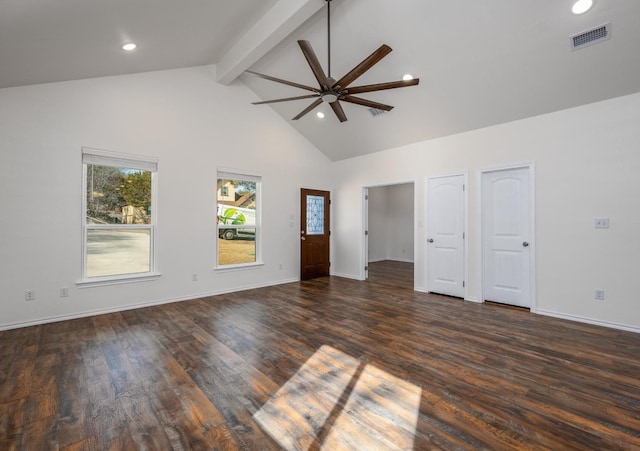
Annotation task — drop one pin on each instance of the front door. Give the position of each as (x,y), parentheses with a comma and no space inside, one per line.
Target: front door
(445,235)
(506,236)
(314,233)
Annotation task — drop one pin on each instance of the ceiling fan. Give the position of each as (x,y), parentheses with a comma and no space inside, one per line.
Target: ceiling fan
(333,91)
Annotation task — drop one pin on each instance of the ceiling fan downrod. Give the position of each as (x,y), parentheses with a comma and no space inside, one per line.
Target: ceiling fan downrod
(328,38)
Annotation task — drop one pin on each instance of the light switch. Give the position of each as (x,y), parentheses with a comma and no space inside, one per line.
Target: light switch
(602,223)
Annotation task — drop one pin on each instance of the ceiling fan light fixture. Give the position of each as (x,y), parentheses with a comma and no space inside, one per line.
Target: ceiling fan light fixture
(407,77)
(581,6)
(129,46)
(320,115)
(329,97)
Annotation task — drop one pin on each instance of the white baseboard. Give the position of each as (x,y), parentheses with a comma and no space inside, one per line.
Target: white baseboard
(87,313)
(582,319)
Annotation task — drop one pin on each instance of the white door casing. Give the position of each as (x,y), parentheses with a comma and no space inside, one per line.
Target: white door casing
(445,235)
(507,236)
(365,201)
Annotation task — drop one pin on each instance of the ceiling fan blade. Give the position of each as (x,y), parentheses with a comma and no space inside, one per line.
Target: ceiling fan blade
(365,102)
(307,109)
(312,59)
(337,108)
(364,66)
(284,82)
(286,99)
(383,86)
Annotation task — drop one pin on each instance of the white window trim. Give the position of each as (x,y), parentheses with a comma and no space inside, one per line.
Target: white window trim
(239,175)
(116,159)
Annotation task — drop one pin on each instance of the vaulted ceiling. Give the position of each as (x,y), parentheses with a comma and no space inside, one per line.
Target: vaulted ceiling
(480,63)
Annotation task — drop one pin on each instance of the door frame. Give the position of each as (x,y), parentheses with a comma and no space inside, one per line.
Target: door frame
(363,274)
(465,206)
(530,166)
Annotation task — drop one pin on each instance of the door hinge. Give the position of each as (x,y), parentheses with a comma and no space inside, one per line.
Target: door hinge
(329,232)
(366,268)
(463,235)
(329,264)
(463,187)
(366,232)
(366,197)
(463,284)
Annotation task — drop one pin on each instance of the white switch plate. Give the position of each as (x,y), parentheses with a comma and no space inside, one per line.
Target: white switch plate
(599,295)
(602,223)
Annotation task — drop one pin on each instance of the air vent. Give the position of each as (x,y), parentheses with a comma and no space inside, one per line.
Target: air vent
(376,112)
(590,37)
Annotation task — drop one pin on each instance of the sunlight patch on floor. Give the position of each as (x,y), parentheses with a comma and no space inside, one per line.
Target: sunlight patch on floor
(335,402)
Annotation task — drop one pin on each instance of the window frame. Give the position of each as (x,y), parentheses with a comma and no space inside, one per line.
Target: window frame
(119,160)
(230,174)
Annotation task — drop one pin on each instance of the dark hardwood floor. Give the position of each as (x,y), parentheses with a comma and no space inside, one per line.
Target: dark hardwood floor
(328,363)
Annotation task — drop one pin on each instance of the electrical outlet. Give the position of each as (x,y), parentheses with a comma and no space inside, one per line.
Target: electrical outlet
(64,292)
(602,223)
(29,295)
(599,295)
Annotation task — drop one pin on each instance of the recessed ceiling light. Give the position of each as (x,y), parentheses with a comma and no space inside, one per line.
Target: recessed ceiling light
(129,46)
(407,77)
(581,6)
(320,115)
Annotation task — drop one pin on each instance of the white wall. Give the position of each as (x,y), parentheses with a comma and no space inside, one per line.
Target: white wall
(391,222)
(587,165)
(193,125)
(587,162)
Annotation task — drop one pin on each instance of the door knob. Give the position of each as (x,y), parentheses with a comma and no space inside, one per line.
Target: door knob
(430,240)
(302,238)
(525,244)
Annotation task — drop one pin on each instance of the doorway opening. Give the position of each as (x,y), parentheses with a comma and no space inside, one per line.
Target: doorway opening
(389,232)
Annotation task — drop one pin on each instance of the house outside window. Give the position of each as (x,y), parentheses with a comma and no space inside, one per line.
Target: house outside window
(238,220)
(119,217)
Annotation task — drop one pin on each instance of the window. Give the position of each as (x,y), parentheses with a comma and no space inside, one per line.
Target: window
(119,216)
(238,218)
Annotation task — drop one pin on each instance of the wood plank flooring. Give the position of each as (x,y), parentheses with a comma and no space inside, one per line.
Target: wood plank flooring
(328,363)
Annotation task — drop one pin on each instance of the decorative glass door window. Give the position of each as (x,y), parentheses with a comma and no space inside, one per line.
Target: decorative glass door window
(315,215)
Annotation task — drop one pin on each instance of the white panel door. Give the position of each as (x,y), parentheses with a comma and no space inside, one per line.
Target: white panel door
(506,237)
(445,235)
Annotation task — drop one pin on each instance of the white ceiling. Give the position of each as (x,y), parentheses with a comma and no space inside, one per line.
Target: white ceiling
(480,63)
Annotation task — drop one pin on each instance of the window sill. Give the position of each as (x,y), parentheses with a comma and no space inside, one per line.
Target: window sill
(105,281)
(239,267)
